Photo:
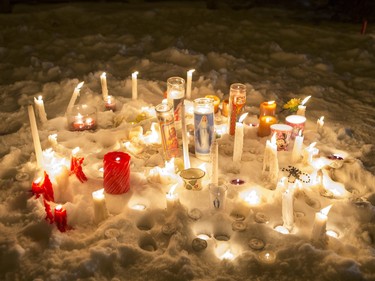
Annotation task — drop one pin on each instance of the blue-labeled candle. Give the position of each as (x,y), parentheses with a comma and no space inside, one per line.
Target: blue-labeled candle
(203,127)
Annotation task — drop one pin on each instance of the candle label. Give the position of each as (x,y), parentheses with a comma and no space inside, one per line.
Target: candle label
(203,132)
(169,137)
(236,103)
(177,105)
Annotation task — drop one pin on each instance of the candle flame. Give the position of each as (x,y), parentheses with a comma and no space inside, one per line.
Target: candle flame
(40,98)
(242,117)
(134,74)
(103,75)
(75,150)
(271,102)
(300,133)
(321,119)
(305,100)
(58,207)
(332,233)
(79,86)
(326,210)
(118,158)
(38,180)
(99,194)
(138,207)
(253,198)
(228,255)
(190,72)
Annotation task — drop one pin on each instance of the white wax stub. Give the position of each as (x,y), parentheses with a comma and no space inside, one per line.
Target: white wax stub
(199,244)
(256,244)
(238,226)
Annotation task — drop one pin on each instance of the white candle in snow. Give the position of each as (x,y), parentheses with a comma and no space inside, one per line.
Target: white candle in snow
(39,104)
(302,108)
(172,198)
(309,152)
(320,223)
(238,143)
(320,124)
(185,141)
(270,161)
(287,208)
(74,96)
(35,135)
(103,82)
(189,82)
(100,207)
(134,85)
(215,162)
(297,148)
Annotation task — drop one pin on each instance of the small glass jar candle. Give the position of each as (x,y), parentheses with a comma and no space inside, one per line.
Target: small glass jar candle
(168,132)
(110,103)
(203,127)
(216,102)
(265,122)
(82,117)
(237,100)
(175,96)
(268,108)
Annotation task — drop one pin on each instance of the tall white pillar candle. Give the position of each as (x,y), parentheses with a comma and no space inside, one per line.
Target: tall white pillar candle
(270,161)
(35,135)
(100,207)
(297,148)
(134,85)
(103,82)
(320,224)
(215,162)
(39,105)
(185,141)
(287,208)
(74,96)
(238,142)
(189,82)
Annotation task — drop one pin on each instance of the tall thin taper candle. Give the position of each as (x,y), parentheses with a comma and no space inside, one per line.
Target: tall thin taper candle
(270,161)
(39,105)
(134,85)
(215,162)
(238,142)
(188,83)
(74,96)
(297,148)
(35,135)
(185,142)
(103,81)
(287,208)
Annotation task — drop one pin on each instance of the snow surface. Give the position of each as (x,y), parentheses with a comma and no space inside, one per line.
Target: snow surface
(48,50)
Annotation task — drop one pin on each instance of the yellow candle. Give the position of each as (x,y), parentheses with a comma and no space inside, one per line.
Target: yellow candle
(265,123)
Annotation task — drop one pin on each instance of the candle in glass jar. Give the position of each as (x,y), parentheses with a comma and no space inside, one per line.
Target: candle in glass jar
(175,95)
(110,103)
(203,127)
(116,177)
(268,108)
(237,100)
(216,102)
(265,123)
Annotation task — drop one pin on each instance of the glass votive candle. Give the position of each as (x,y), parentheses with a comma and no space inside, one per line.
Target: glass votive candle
(283,133)
(82,117)
(297,122)
(110,103)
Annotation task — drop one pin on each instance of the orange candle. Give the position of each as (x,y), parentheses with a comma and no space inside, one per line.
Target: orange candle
(225,108)
(268,108)
(265,123)
(216,102)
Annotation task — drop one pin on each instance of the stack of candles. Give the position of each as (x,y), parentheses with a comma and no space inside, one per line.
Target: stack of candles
(266,118)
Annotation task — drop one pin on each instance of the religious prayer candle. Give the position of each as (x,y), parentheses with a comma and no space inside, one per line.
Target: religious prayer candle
(116,177)
(175,96)
(168,131)
(297,148)
(238,142)
(268,108)
(74,97)
(265,123)
(302,108)
(39,105)
(134,85)
(297,122)
(203,127)
(100,207)
(103,82)
(61,218)
(237,100)
(320,223)
(35,136)
(188,83)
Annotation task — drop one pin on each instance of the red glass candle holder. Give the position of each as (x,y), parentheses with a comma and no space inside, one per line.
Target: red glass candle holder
(116,172)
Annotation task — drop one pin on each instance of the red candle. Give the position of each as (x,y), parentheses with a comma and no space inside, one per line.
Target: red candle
(60,218)
(116,172)
(267,108)
(110,103)
(43,186)
(49,215)
(76,166)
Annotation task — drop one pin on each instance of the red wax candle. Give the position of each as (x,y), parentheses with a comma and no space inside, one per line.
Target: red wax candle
(116,172)
(43,186)
(76,167)
(267,108)
(60,218)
